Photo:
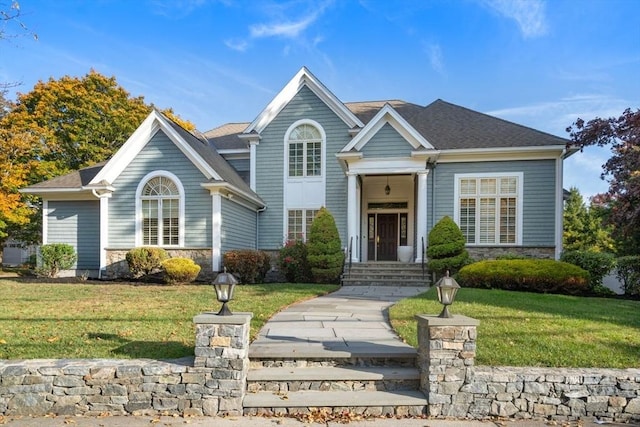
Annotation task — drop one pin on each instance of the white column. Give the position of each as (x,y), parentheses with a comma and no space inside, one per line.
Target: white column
(104,231)
(421,214)
(352,215)
(216,231)
(252,164)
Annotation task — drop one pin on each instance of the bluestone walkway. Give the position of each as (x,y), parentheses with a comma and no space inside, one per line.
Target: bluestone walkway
(351,322)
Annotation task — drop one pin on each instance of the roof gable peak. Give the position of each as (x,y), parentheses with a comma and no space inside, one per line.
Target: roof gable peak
(302,78)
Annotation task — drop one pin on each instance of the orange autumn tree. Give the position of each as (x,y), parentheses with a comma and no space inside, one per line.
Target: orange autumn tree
(59,126)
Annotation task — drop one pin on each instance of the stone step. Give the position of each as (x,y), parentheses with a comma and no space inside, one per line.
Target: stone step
(390,353)
(401,281)
(287,379)
(374,403)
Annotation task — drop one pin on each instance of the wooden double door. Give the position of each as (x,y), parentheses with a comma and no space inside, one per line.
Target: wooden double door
(385,232)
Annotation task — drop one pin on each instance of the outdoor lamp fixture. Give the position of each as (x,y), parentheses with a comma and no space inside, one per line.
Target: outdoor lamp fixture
(447,288)
(224,285)
(387,189)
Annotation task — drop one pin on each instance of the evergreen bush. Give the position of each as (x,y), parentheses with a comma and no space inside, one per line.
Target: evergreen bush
(145,260)
(247,265)
(178,271)
(325,254)
(446,250)
(293,262)
(56,257)
(629,274)
(531,275)
(598,264)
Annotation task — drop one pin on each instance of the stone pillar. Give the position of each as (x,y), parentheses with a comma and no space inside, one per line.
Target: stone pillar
(222,344)
(446,355)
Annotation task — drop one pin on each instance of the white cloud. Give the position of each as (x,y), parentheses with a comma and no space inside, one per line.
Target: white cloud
(284,29)
(237,44)
(529,14)
(435,58)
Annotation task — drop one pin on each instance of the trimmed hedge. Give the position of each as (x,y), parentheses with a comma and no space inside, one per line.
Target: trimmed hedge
(325,255)
(446,250)
(247,265)
(531,275)
(56,257)
(145,260)
(178,271)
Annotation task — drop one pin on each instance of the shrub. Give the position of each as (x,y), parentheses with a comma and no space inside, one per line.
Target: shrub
(446,250)
(56,257)
(629,274)
(598,264)
(325,254)
(532,275)
(145,260)
(248,265)
(179,271)
(293,262)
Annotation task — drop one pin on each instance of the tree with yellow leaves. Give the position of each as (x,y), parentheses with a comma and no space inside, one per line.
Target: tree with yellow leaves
(59,126)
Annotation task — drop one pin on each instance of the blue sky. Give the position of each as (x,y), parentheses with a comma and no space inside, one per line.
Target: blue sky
(535,62)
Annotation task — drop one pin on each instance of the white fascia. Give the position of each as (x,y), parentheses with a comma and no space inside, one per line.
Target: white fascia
(387,166)
(137,141)
(500,154)
(230,192)
(301,79)
(388,114)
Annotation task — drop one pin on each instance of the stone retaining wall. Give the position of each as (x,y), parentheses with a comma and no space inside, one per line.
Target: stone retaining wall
(456,388)
(211,384)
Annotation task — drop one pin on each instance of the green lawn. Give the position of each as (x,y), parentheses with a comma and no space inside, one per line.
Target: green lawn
(44,320)
(526,329)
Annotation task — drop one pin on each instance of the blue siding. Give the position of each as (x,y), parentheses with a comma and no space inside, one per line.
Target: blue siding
(78,224)
(160,154)
(539,201)
(387,142)
(270,168)
(238,228)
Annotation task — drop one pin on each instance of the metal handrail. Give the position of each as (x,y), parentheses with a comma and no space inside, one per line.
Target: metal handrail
(422,257)
(350,253)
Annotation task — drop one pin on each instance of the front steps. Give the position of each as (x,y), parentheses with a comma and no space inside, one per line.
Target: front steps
(369,386)
(384,273)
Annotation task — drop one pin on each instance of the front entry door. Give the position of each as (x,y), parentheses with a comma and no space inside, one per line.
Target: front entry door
(383,242)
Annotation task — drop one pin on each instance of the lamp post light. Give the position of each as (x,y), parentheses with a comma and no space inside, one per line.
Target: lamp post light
(224,284)
(447,288)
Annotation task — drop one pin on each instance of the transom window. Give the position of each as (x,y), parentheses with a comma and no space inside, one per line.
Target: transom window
(160,201)
(299,223)
(488,208)
(305,151)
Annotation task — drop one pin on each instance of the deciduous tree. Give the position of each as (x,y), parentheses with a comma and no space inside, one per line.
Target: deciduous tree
(584,228)
(622,171)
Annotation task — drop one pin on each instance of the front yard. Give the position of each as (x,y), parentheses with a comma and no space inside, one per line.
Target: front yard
(528,329)
(45,320)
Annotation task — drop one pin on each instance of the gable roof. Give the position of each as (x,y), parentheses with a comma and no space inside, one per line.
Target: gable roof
(213,166)
(301,79)
(225,137)
(387,114)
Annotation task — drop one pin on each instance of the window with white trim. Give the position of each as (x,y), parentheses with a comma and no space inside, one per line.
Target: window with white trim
(488,208)
(160,202)
(299,223)
(305,151)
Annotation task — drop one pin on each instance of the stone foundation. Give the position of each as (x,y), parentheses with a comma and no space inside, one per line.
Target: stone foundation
(491,252)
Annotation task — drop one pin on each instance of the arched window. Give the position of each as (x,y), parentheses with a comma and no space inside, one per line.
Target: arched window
(160,203)
(305,151)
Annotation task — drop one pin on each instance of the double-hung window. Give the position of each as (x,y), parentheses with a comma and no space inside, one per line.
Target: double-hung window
(299,223)
(160,202)
(488,208)
(305,151)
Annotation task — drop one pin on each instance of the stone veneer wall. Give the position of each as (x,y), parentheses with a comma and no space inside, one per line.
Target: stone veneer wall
(117,265)
(456,388)
(211,384)
(492,252)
